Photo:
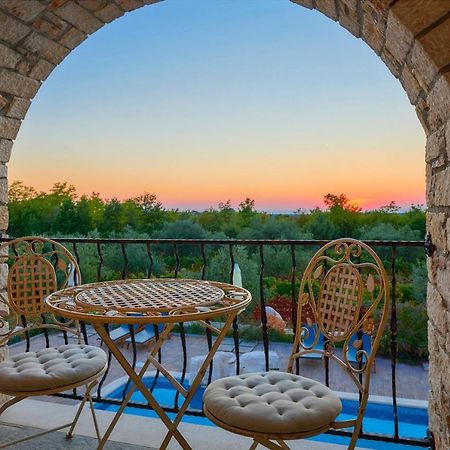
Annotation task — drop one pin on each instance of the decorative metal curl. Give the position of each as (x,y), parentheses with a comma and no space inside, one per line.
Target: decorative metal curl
(362,358)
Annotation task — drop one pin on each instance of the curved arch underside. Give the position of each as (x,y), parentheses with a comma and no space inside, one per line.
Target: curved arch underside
(412,37)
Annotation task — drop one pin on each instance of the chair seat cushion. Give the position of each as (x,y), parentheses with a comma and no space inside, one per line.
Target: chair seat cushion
(272,403)
(50,368)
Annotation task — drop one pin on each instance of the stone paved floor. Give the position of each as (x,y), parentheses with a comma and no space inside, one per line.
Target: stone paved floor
(57,440)
(412,380)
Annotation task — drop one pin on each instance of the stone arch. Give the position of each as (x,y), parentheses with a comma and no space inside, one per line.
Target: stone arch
(412,37)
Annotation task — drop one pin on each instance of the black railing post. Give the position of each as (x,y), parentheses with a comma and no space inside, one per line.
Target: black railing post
(100,261)
(393,329)
(265,334)
(124,273)
(177,259)
(204,262)
(150,258)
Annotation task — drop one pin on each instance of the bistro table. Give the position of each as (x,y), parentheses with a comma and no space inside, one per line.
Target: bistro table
(153,301)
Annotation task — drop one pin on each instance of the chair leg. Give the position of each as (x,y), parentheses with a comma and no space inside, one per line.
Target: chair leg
(355,435)
(9,403)
(94,419)
(280,445)
(254,445)
(283,444)
(86,397)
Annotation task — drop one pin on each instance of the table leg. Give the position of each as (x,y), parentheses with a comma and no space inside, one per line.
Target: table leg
(138,383)
(197,380)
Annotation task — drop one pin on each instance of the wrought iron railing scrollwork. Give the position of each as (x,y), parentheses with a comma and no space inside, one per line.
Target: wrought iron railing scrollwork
(294,247)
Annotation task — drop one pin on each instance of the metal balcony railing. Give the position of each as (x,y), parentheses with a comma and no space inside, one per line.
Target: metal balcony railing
(100,259)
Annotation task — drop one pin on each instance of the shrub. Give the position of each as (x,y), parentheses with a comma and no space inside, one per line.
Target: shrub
(412,344)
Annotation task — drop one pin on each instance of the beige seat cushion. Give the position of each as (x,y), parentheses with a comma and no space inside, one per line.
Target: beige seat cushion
(272,403)
(50,368)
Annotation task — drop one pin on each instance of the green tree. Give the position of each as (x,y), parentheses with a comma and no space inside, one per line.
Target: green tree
(113,218)
(340,201)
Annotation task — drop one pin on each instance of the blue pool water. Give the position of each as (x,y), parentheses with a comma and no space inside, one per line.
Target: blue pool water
(378,418)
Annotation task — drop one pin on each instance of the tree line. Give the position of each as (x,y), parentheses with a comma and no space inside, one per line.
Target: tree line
(61,212)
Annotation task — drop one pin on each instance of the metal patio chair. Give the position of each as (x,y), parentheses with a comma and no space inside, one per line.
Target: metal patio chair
(346,285)
(38,267)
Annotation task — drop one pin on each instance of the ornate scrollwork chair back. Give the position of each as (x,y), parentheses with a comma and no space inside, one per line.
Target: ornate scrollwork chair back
(36,268)
(346,289)
(343,294)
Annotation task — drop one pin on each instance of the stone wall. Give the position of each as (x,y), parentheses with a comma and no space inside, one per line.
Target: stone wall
(412,37)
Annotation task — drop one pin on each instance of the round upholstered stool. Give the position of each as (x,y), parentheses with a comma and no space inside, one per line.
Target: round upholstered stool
(50,368)
(276,404)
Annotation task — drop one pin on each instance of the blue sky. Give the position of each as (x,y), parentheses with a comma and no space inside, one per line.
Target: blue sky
(200,101)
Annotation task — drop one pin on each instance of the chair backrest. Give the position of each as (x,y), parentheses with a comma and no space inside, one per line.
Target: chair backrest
(37,267)
(345,286)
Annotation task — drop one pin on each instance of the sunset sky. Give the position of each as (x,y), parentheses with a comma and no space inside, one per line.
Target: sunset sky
(201,101)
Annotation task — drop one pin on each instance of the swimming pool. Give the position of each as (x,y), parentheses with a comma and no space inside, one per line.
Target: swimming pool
(378,418)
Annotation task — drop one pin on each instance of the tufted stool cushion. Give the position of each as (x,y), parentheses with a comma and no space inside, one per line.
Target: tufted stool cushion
(50,368)
(272,402)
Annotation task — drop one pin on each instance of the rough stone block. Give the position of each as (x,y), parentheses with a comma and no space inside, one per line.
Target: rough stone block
(109,13)
(429,118)
(48,28)
(24,10)
(436,226)
(3,267)
(3,171)
(391,62)
(72,38)
(410,84)
(447,341)
(440,188)
(424,69)
(129,5)
(5,150)
(447,138)
(435,144)
(398,39)
(8,57)
(436,42)
(16,84)
(93,5)
(348,16)
(327,7)
(41,70)
(25,65)
(439,100)
(3,101)
(79,17)
(422,114)
(4,222)
(9,127)
(374,26)
(3,191)
(18,108)
(12,30)
(442,285)
(46,48)
(306,3)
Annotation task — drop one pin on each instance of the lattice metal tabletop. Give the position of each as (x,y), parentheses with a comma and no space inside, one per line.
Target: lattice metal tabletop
(150,300)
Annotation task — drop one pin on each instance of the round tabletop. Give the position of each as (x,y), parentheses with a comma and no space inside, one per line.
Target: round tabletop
(156,300)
